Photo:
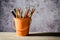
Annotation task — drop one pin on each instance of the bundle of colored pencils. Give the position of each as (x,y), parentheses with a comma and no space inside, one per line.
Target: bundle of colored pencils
(18,14)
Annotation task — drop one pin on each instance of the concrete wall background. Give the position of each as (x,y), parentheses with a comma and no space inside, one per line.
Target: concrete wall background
(45,19)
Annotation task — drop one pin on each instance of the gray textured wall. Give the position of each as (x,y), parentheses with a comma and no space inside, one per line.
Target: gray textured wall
(45,19)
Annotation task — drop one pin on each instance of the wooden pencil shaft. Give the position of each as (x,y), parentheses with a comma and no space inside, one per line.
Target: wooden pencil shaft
(15,10)
(13,14)
(26,13)
(17,14)
(20,12)
(32,11)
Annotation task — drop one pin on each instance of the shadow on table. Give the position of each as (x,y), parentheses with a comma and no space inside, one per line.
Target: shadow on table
(44,34)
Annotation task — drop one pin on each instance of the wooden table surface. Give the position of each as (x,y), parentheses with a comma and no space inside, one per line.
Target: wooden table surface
(12,36)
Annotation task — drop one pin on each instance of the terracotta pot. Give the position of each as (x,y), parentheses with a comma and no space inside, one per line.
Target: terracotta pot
(22,26)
